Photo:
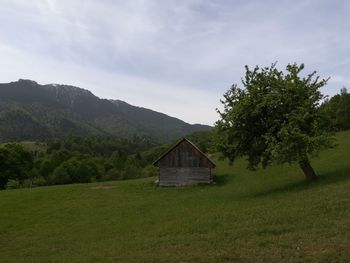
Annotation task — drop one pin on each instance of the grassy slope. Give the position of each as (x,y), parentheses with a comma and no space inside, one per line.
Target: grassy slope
(265,216)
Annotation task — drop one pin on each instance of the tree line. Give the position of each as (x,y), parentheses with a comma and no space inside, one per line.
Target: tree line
(79,159)
(76,160)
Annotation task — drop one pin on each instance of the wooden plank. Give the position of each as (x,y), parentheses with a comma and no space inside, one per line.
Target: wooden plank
(184,155)
(177,176)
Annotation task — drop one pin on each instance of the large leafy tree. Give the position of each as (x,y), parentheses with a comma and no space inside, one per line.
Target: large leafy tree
(275,118)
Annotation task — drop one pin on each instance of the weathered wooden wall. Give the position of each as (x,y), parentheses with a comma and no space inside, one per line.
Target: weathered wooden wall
(184,165)
(184,155)
(177,176)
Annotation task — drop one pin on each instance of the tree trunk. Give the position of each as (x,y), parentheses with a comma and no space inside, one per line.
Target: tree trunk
(308,170)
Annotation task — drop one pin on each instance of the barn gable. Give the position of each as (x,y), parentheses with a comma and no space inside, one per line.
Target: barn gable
(184,164)
(184,154)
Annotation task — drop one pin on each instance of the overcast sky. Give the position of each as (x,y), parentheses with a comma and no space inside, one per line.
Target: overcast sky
(173,56)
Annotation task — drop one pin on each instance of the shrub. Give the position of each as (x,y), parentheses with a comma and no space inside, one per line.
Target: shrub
(114,174)
(13,184)
(60,176)
(133,172)
(39,181)
(150,171)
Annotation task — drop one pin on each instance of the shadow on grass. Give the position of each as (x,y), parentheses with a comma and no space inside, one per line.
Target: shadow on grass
(323,179)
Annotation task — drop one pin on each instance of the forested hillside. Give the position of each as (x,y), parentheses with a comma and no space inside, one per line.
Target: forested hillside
(29,111)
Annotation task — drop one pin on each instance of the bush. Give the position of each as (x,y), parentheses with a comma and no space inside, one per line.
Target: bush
(133,172)
(60,176)
(39,181)
(114,174)
(150,171)
(13,184)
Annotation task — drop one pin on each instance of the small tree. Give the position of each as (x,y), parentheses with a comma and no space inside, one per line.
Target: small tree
(275,118)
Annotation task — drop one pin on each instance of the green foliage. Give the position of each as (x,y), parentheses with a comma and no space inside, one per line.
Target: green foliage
(151,171)
(133,172)
(77,169)
(203,140)
(152,154)
(15,163)
(61,175)
(114,174)
(18,124)
(75,160)
(275,118)
(38,181)
(13,184)
(133,167)
(338,110)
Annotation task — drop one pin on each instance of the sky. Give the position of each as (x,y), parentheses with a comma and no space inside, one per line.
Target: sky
(173,56)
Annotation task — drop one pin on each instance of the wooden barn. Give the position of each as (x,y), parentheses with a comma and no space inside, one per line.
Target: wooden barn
(184,164)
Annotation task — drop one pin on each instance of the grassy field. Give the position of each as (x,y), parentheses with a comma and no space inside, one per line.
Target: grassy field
(269,215)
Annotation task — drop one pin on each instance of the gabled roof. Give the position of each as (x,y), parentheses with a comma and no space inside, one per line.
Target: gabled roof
(192,144)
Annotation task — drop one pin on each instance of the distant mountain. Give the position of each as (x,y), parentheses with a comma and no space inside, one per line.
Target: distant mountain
(30,111)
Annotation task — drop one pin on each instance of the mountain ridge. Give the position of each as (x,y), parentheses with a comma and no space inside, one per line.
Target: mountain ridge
(29,110)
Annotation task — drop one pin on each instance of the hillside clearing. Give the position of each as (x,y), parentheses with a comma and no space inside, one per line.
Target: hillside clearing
(269,215)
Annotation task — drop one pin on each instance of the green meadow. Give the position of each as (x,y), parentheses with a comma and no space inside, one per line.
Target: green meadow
(270,215)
